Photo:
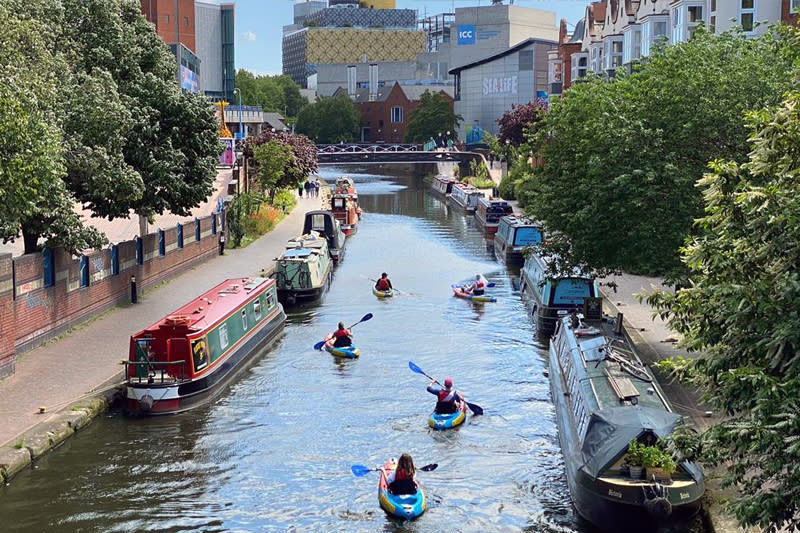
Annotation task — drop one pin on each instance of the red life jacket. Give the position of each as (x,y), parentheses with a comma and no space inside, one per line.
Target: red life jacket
(447,396)
(401,474)
(341,333)
(383,284)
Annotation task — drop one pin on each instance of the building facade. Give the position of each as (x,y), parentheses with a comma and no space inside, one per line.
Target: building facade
(488,88)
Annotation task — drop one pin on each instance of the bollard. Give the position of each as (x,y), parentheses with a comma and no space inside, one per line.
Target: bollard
(133,289)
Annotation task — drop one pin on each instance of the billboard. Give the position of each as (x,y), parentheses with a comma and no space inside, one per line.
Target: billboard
(466,34)
(228,156)
(189,80)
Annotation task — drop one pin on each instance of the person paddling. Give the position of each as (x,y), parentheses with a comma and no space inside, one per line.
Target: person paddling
(342,336)
(384,283)
(477,287)
(402,480)
(447,397)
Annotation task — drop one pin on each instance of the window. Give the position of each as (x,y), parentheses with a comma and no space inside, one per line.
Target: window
(185,21)
(794,4)
(166,19)
(747,15)
(525,60)
(244,319)
(612,53)
(597,58)
(397,114)
(257,309)
(223,336)
(685,19)
(580,65)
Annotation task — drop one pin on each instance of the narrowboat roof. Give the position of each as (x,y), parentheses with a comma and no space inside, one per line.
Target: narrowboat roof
(448,179)
(516,221)
(214,304)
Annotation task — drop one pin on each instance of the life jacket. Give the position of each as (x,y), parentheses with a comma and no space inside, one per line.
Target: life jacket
(341,333)
(401,474)
(383,284)
(447,396)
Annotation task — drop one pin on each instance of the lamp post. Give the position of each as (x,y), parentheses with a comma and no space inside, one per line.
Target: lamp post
(236,91)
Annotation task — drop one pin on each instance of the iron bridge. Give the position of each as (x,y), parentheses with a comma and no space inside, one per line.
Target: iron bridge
(334,154)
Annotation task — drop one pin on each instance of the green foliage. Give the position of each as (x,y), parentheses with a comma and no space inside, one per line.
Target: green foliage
(273,93)
(634,454)
(654,456)
(432,117)
(622,157)
(738,314)
(478,170)
(272,158)
(298,162)
(285,200)
(330,120)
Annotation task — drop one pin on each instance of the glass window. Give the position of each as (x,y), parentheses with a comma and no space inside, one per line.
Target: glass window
(244,319)
(397,114)
(257,309)
(794,5)
(747,15)
(223,336)
(527,237)
(747,21)
(571,291)
(166,19)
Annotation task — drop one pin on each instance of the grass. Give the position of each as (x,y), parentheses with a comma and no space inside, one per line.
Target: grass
(19,444)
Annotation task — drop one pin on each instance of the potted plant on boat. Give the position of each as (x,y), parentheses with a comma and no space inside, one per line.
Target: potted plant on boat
(634,459)
(658,463)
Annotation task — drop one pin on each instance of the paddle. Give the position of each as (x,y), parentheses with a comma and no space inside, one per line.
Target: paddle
(361,470)
(364,318)
(475,408)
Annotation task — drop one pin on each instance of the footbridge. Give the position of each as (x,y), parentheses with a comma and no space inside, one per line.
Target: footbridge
(365,154)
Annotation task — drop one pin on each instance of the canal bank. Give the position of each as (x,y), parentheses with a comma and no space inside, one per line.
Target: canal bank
(59,387)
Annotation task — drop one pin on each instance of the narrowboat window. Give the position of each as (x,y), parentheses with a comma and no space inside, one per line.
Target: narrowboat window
(244,319)
(338,202)
(318,222)
(527,237)
(269,301)
(571,292)
(257,309)
(223,336)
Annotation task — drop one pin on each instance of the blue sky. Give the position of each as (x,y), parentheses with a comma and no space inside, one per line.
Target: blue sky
(259,24)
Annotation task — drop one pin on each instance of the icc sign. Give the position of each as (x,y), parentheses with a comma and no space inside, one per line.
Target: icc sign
(466,34)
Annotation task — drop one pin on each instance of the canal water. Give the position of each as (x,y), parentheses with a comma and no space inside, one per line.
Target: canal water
(274,453)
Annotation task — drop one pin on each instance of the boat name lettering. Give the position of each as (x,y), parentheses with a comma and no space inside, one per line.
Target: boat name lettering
(615,493)
(685,495)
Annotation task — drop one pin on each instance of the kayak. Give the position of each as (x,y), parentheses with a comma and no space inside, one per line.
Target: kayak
(448,421)
(459,291)
(382,294)
(348,352)
(405,506)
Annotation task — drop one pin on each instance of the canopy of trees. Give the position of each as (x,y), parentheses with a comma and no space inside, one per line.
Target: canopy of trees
(739,313)
(273,93)
(519,123)
(287,159)
(622,157)
(121,135)
(433,116)
(330,120)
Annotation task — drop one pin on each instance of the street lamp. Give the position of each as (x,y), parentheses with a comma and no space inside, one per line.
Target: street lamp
(236,91)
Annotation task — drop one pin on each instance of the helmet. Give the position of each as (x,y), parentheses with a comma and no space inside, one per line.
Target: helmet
(448,382)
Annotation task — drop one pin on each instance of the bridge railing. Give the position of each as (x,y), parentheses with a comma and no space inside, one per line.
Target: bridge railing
(365,148)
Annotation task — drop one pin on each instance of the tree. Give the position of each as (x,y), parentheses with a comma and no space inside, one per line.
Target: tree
(272,159)
(301,162)
(431,117)
(738,314)
(330,120)
(622,157)
(521,121)
(273,93)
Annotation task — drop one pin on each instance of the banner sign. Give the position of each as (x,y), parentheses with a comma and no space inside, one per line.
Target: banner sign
(466,34)
(507,85)
(228,156)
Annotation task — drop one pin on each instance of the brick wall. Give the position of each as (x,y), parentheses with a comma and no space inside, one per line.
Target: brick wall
(32,313)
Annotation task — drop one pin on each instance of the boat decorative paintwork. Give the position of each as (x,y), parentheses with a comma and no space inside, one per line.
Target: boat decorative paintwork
(382,294)
(488,213)
(304,271)
(513,235)
(187,358)
(403,506)
(464,197)
(443,185)
(448,420)
(346,352)
(605,398)
(459,291)
(344,204)
(552,298)
(324,223)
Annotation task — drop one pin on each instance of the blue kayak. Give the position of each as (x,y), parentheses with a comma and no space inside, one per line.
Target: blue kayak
(450,420)
(459,291)
(404,506)
(348,352)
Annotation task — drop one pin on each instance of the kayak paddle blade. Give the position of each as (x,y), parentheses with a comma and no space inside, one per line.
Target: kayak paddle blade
(430,467)
(415,368)
(319,345)
(360,470)
(475,408)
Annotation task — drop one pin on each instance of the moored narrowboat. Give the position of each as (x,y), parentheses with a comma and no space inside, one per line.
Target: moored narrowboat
(514,234)
(324,223)
(464,197)
(345,209)
(608,406)
(488,213)
(443,185)
(303,271)
(553,298)
(187,358)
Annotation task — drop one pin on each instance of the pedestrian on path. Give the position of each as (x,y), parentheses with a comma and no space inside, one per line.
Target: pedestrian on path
(491,159)
(316,188)
(300,190)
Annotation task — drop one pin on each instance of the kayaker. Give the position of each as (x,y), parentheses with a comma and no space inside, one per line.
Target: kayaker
(383,284)
(477,287)
(402,479)
(447,397)
(343,336)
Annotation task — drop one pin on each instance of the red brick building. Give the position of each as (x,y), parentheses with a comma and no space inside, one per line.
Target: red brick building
(787,11)
(162,14)
(385,114)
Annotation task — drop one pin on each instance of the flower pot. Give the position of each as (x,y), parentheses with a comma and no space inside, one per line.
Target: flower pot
(635,472)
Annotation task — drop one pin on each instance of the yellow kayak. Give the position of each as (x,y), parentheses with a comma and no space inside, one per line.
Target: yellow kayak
(382,294)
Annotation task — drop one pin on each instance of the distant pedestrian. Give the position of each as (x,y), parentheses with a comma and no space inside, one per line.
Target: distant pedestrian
(300,190)
(308,186)
(316,188)
(491,159)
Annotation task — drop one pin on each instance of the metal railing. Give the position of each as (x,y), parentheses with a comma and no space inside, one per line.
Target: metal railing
(365,148)
(154,371)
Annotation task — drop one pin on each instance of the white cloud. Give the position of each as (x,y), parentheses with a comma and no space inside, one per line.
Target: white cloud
(249,36)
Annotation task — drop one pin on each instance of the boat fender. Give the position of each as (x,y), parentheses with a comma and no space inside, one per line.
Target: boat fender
(146,402)
(178,320)
(656,500)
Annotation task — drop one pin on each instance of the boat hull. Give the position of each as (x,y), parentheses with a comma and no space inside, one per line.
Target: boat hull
(147,399)
(402,506)
(345,352)
(382,294)
(460,293)
(450,420)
